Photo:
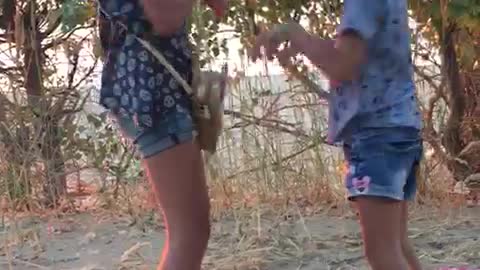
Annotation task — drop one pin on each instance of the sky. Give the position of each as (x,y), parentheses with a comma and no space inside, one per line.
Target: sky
(236,61)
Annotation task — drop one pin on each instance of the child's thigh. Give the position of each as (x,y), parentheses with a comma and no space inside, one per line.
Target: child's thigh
(380,166)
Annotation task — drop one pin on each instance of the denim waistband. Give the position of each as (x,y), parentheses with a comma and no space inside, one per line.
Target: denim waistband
(389,134)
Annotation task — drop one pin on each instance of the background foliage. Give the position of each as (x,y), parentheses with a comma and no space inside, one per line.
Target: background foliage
(273,139)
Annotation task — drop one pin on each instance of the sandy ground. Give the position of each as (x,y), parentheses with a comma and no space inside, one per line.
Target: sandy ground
(99,241)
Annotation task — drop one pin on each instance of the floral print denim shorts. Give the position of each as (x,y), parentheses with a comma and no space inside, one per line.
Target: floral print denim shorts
(383,163)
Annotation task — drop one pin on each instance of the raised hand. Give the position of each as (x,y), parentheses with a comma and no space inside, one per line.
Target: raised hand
(270,40)
(218,6)
(167,16)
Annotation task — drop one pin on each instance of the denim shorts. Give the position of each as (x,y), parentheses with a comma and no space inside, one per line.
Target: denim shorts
(173,129)
(383,163)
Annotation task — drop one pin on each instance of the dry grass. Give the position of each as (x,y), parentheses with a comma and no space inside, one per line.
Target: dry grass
(264,232)
(260,211)
(271,179)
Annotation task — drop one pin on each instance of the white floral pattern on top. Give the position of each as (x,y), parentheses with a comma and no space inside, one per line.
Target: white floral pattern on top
(134,83)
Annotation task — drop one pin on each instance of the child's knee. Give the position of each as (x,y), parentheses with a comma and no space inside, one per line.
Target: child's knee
(406,245)
(384,255)
(375,249)
(196,227)
(190,237)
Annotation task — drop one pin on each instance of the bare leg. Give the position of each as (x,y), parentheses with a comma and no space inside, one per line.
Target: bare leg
(178,178)
(407,247)
(380,222)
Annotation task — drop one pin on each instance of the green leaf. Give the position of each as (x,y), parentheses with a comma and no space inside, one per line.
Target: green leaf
(94,120)
(468,54)
(76,13)
(216,51)
(53,16)
(97,46)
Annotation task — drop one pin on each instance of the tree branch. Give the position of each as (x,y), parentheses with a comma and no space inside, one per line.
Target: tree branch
(267,123)
(52,28)
(277,163)
(311,86)
(64,37)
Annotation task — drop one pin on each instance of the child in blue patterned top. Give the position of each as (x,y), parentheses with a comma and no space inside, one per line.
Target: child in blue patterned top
(373,113)
(154,111)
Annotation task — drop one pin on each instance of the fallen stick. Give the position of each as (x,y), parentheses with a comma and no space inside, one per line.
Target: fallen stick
(18,261)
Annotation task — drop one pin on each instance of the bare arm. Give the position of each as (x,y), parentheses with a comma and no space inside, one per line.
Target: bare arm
(339,59)
(167,16)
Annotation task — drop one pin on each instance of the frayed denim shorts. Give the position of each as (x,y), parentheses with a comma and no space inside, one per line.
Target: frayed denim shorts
(173,129)
(383,162)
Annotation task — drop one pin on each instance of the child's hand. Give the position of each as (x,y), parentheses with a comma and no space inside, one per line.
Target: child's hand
(271,40)
(218,6)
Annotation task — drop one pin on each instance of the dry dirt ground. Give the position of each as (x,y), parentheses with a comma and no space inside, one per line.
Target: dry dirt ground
(262,240)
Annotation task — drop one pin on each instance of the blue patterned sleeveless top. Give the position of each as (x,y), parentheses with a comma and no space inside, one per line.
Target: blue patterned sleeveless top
(133,83)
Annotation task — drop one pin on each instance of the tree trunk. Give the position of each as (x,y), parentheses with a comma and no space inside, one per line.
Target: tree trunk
(55,185)
(452,140)
(452,136)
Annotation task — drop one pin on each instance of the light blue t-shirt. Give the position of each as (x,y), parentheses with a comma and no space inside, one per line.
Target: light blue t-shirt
(384,95)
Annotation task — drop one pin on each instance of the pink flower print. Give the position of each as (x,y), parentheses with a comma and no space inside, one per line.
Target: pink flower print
(334,84)
(361,184)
